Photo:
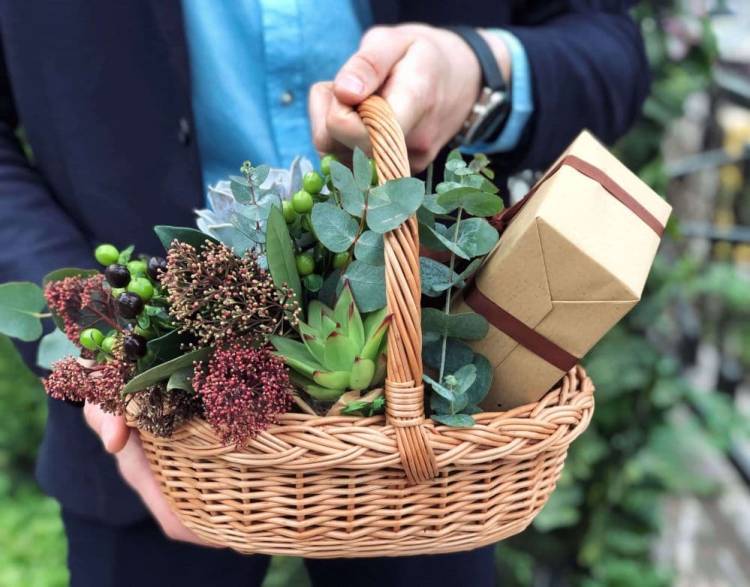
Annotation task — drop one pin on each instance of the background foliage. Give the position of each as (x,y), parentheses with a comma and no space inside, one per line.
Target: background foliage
(599,526)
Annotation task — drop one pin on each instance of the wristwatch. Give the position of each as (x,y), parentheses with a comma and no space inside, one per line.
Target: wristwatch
(491,110)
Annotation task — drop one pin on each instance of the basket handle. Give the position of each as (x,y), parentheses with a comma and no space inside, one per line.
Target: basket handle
(404,391)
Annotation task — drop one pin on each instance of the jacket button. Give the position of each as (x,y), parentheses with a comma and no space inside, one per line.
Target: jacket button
(183,132)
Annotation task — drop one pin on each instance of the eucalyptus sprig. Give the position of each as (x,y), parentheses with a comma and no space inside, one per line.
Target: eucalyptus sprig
(354,219)
(453,221)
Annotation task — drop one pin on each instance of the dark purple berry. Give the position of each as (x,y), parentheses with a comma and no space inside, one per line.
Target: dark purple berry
(117,275)
(155,267)
(129,305)
(134,346)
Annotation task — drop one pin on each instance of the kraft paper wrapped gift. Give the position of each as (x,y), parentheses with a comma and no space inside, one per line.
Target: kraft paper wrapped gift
(571,262)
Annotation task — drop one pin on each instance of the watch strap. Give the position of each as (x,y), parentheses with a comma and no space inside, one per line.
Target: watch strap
(492,77)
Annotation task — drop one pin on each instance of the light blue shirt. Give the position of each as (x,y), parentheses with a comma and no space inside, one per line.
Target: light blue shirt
(252,63)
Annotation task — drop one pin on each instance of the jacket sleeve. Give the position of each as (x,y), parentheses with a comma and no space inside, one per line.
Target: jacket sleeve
(36,235)
(589,70)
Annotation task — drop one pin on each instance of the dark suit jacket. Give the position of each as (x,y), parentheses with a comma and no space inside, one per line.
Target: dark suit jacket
(102,92)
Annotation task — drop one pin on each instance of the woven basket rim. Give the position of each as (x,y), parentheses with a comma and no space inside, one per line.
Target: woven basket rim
(369,443)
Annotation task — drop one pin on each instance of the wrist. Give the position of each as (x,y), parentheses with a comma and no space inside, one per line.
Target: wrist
(501,52)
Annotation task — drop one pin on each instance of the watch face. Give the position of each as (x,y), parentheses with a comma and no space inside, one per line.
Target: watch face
(494,118)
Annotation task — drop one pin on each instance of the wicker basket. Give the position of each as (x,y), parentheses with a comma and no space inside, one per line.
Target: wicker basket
(397,485)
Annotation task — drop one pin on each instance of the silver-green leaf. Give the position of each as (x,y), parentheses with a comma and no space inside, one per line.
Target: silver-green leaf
(334,227)
(390,204)
(21,302)
(369,248)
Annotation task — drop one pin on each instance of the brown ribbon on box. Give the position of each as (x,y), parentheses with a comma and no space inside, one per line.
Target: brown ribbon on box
(509,324)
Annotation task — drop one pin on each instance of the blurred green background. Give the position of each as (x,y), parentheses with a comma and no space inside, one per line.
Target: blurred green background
(672,383)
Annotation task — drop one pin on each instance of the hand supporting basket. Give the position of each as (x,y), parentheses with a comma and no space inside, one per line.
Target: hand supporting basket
(404,391)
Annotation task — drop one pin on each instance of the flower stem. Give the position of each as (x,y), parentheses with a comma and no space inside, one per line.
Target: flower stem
(448,295)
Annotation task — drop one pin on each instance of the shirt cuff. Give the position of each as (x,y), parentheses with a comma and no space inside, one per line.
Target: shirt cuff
(522,101)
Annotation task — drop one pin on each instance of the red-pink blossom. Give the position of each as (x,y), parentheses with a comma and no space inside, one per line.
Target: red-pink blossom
(85,380)
(244,390)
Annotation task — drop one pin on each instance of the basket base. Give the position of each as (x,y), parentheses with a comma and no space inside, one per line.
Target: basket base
(321,549)
(333,487)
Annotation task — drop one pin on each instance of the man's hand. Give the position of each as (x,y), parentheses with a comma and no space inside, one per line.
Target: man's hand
(124,443)
(429,76)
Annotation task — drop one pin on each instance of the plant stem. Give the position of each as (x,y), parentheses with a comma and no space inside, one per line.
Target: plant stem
(429,179)
(448,295)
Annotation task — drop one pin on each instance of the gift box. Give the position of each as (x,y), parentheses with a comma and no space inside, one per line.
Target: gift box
(572,260)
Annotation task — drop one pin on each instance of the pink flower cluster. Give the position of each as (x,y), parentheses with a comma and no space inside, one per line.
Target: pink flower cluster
(70,297)
(85,380)
(244,390)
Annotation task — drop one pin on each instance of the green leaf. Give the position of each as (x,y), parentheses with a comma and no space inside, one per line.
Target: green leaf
(327,293)
(368,285)
(21,302)
(161,372)
(53,347)
(125,255)
(453,161)
(313,282)
(476,237)
(465,378)
(362,169)
(390,204)
(431,203)
(190,236)
(236,239)
(362,373)
(454,420)
(466,326)
(334,227)
(167,346)
(249,229)
(470,270)
(363,407)
(333,379)
(443,391)
(296,355)
(182,379)
(481,385)
(436,277)
(280,254)
(346,313)
(352,197)
(339,352)
(476,202)
(240,188)
(457,355)
(428,239)
(376,327)
(325,394)
(369,248)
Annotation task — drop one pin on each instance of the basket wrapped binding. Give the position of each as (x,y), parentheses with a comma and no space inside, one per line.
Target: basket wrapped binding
(393,485)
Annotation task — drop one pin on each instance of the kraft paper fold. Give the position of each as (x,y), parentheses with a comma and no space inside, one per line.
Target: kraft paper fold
(570,265)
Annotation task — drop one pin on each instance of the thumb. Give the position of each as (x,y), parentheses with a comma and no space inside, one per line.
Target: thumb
(111,429)
(368,68)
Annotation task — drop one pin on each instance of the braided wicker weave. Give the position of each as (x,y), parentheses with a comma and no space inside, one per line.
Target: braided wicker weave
(382,486)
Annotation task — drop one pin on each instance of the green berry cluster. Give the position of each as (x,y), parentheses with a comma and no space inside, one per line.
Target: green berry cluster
(133,285)
(313,260)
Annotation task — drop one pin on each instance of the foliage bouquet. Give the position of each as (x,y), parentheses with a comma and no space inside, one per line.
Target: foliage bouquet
(272,360)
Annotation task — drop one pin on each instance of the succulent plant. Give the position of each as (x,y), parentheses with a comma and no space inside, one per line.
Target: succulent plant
(339,350)
(238,221)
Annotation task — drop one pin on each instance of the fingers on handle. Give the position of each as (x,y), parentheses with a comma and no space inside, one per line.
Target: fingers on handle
(111,429)
(368,68)
(336,127)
